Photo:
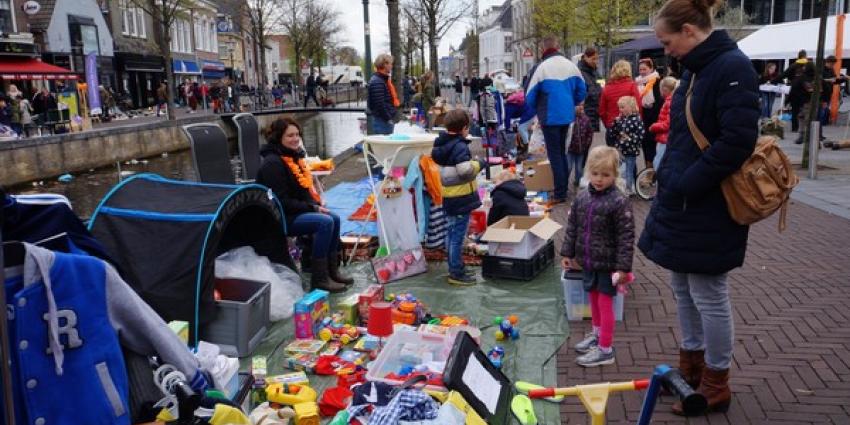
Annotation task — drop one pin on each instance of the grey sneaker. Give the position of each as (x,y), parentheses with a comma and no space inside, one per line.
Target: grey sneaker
(595,357)
(590,340)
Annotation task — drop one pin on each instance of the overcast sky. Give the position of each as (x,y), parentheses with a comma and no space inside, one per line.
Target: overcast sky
(352,21)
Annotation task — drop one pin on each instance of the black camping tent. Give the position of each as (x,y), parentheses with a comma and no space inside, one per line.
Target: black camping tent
(165,234)
(639,48)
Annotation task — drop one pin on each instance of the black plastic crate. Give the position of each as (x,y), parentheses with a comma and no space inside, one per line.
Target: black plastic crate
(518,269)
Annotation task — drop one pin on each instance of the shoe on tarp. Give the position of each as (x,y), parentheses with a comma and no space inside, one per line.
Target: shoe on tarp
(463,280)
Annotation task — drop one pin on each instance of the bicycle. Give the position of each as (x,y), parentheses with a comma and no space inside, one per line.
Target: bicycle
(646,184)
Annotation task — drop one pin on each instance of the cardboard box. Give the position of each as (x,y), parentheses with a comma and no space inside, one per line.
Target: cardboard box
(309,313)
(538,175)
(519,236)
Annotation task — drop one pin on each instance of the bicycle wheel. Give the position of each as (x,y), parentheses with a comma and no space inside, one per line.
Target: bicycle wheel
(645,185)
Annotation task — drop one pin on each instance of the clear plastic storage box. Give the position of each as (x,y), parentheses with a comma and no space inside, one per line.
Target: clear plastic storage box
(406,349)
(577,301)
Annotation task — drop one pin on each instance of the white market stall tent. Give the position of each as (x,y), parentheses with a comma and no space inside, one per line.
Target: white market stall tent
(783,41)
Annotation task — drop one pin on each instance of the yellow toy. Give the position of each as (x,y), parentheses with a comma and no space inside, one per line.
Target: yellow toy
(306,414)
(290,394)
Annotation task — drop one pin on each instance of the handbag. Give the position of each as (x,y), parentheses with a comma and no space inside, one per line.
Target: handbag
(761,186)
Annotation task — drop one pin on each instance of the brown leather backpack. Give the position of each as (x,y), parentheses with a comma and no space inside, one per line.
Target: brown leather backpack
(761,186)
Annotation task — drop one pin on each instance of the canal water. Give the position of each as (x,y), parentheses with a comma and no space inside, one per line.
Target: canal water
(326,134)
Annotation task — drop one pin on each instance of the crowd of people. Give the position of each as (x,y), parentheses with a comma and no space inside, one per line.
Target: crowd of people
(19,112)
(688,230)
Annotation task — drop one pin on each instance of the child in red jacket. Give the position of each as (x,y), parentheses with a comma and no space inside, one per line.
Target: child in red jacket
(662,126)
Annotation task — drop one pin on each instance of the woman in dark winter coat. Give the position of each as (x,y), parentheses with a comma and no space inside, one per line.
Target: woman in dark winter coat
(688,230)
(587,65)
(287,174)
(508,197)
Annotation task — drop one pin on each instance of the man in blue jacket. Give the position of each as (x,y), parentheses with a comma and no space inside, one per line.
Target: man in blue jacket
(555,88)
(382,100)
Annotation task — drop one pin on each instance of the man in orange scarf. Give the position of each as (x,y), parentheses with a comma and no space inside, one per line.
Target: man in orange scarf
(383,99)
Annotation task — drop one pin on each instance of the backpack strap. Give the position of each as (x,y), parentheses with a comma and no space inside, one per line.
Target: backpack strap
(700,138)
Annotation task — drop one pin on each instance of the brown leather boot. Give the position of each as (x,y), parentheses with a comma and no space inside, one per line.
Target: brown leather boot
(319,277)
(715,388)
(691,364)
(335,273)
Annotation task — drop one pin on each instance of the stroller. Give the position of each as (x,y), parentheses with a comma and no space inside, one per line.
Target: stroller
(324,100)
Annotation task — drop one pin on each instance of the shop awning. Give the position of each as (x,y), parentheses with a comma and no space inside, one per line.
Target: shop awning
(185,67)
(32,69)
(213,69)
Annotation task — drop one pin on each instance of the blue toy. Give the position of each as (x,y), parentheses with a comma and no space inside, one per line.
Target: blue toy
(496,354)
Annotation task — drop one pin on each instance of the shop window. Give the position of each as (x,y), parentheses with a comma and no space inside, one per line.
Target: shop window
(758,11)
(6,24)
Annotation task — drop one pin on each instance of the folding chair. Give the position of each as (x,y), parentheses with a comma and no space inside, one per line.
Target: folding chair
(210,153)
(248,131)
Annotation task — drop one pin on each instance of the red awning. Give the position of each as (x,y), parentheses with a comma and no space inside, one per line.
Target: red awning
(32,69)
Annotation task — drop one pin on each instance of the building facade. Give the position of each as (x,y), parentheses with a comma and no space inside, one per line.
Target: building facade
(139,67)
(495,39)
(69,30)
(278,57)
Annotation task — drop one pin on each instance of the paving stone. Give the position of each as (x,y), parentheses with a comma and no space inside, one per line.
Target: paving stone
(791,305)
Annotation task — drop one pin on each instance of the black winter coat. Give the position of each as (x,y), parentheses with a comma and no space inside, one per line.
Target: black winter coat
(600,232)
(275,175)
(379,101)
(688,229)
(594,91)
(508,199)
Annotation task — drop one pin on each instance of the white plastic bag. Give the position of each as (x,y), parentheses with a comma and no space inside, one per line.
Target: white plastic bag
(244,263)
(536,144)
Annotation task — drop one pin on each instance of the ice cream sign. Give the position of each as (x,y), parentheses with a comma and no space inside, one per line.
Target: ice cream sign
(31,7)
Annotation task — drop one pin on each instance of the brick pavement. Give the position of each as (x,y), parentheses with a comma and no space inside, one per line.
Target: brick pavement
(792,339)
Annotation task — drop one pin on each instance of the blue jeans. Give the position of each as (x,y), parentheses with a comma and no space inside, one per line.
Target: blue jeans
(323,227)
(629,171)
(455,236)
(555,137)
(380,126)
(660,148)
(576,161)
(705,316)
(767,99)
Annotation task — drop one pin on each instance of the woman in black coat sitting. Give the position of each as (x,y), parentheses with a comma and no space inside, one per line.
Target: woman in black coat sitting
(508,197)
(287,174)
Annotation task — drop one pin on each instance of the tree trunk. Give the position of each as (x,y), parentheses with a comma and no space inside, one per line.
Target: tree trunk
(162,35)
(395,42)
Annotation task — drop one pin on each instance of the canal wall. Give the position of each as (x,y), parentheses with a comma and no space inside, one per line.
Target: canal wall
(40,158)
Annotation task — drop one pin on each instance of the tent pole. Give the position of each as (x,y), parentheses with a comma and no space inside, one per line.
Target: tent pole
(5,350)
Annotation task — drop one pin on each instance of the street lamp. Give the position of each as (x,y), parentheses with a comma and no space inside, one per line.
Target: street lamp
(367,39)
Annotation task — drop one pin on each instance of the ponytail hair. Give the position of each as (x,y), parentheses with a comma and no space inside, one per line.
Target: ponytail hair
(699,13)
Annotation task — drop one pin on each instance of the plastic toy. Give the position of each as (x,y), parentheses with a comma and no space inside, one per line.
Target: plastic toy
(307,414)
(595,396)
(408,310)
(507,327)
(496,354)
(334,328)
(290,394)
